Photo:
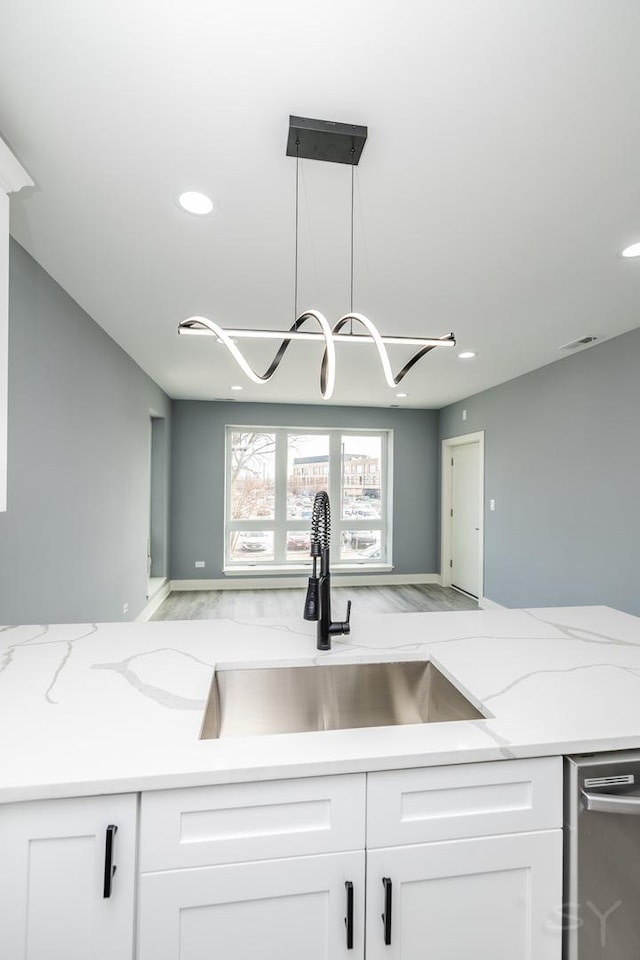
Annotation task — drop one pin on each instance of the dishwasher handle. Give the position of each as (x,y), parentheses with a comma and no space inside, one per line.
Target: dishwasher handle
(610,803)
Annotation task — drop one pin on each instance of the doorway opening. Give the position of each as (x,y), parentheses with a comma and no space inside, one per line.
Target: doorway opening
(157,552)
(462,518)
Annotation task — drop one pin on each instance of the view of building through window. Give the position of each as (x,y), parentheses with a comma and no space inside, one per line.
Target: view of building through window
(272,478)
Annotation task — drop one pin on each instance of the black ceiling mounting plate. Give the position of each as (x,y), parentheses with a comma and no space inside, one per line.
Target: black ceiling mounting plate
(325,140)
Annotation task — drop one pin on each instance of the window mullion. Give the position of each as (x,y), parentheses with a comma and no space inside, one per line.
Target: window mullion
(335,488)
(280,505)
(385,486)
(227,494)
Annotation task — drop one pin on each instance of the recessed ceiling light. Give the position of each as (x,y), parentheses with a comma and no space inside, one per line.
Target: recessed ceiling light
(236,388)
(466,355)
(194,202)
(402,394)
(632,251)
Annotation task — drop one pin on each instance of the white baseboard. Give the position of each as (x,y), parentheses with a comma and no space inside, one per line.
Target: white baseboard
(286,583)
(154,602)
(485,604)
(384,579)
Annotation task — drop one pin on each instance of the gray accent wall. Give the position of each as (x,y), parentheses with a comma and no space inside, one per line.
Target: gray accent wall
(198,472)
(73,542)
(562,461)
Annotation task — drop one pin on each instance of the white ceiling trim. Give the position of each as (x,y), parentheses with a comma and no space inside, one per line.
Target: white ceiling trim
(13,176)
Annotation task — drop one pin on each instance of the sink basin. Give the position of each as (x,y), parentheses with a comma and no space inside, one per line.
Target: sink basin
(245,703)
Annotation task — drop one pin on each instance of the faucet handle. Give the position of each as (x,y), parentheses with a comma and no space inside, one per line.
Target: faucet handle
(345,626)
(341,626)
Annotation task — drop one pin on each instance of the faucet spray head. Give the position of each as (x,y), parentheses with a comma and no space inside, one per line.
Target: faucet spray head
(311,605)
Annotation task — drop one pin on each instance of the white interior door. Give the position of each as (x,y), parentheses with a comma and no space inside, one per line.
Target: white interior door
(465,518)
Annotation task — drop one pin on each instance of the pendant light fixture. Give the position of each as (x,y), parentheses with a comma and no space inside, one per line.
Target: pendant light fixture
(336,143)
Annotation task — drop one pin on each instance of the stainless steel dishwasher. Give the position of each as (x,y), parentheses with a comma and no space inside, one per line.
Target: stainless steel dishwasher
(601,914)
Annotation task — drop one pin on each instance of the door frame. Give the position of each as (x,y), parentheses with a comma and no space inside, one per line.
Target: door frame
(157,458)
(448,446)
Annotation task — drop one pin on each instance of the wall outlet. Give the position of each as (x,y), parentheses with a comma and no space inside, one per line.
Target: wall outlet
(125,608)
(492,504)
(199,563)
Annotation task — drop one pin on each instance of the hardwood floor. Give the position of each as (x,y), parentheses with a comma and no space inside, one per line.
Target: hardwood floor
(237,604)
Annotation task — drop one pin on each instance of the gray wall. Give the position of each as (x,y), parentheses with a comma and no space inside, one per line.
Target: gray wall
(73,542)
(562,460)
(197,515)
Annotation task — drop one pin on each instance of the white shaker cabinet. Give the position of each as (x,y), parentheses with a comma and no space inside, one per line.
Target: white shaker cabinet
(492,898)
(67,883)
(262,871)
(448,863)
(292,909)
(461,861)
(486,882)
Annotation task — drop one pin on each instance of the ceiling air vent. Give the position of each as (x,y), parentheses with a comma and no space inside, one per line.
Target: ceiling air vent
(580,342)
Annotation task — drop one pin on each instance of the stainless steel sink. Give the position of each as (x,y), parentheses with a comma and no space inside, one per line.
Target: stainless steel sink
(244,703)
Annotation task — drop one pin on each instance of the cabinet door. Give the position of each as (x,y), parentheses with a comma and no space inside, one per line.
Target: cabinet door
(293,909)
(52,881)
(493,898)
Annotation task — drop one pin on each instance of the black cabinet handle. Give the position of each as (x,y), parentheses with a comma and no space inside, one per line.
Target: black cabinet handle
(109,867)
(348,920)
(386,916)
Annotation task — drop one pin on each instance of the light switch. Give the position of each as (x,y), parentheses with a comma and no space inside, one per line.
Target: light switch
(492,504)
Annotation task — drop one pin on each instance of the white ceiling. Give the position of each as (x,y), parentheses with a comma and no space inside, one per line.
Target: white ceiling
(499,182)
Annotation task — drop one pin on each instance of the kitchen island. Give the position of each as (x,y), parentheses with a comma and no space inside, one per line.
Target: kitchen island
(87,709)
(258,843)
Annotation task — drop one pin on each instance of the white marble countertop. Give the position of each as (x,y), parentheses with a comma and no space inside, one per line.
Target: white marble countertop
(89,709)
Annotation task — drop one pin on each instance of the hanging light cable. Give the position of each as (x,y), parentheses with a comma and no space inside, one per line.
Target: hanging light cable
(353,170)
(295,261)
(321,140)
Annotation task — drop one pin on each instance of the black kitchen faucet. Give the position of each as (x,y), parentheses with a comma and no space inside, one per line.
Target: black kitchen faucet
(318,603)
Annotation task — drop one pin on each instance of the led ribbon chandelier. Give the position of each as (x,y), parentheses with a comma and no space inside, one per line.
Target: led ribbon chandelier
(338,143)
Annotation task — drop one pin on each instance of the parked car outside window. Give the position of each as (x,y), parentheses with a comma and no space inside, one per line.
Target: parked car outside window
(362,538)
(299,540)
(371,553)
(362,512)
(253,542)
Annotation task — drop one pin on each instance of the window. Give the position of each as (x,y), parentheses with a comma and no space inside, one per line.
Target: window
(272,476)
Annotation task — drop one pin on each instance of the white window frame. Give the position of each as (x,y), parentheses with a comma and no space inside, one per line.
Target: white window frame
(281,526)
